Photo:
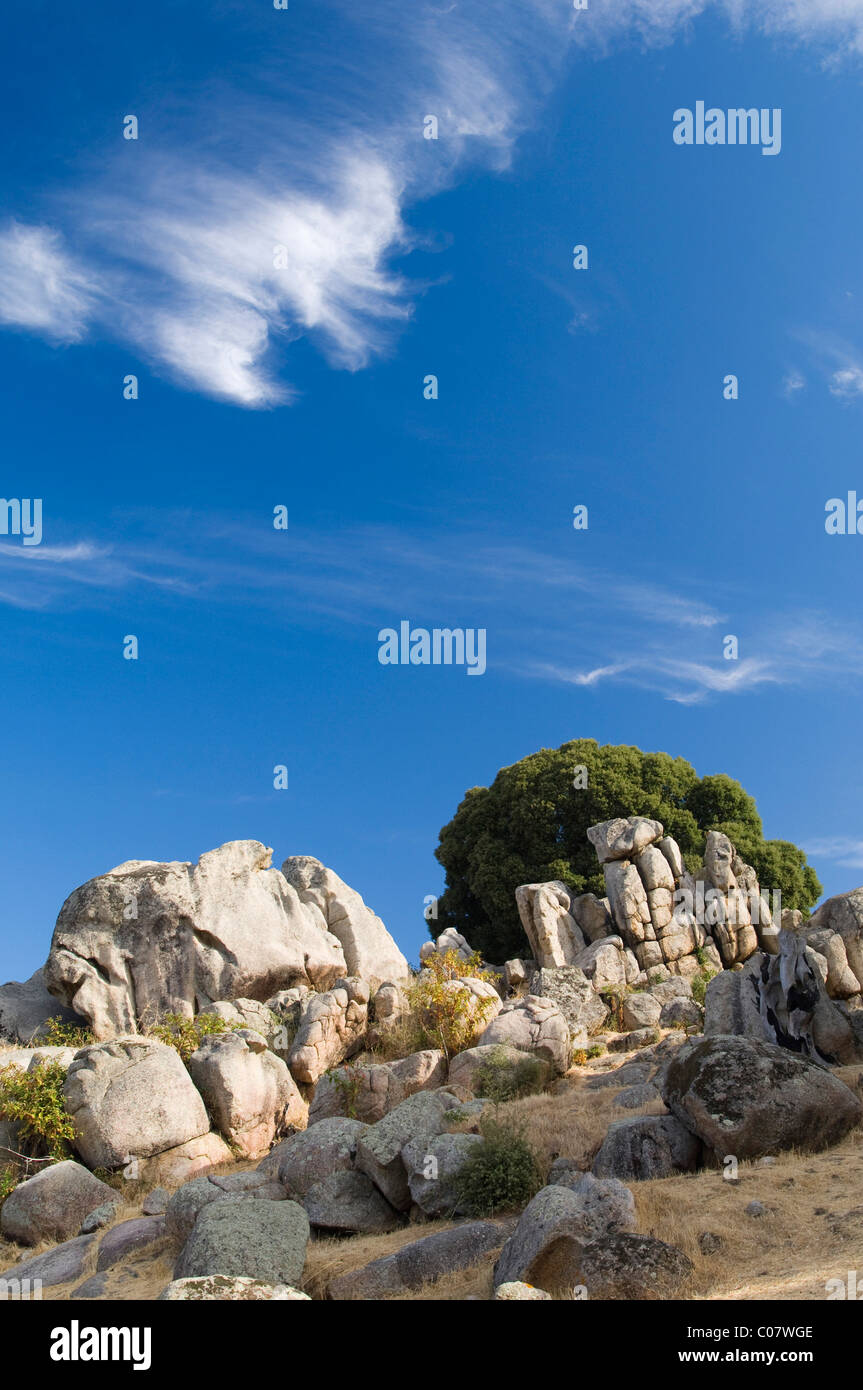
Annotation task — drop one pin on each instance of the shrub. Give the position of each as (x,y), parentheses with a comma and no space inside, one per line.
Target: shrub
(448,1019)
(406,1035)
(348,1081)
(56,1033)
(582,1055)
(34,1102)
(9,1177)
(500,1079)
(699,984)
(501,1174)
(187,1034)
(614,999)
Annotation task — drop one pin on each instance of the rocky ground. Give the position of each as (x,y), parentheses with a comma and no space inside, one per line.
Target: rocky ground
(808,1232)
(228,1083)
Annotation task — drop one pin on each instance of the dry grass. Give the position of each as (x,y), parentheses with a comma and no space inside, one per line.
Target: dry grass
(812,1232)
(329,1257)
(570,1120)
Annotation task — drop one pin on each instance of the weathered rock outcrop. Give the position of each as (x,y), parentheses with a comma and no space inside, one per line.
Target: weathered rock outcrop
(748,1098)
(309,1157)
(58,1266)
(782,999)
(221,1288)
(650,1146)
(257,1240)
(557,1223)
(626,1266)
(532,1024)
(185,1161)
(433,1166)
(369,950)
(148,939)
(575,996)
(370,1092)
(388,1009)
(379,1147)
(332,1027)
(466,1067)
(350,1204)
(422,1262)
(836,932)
(555,937)
(183,1208)
(663,914)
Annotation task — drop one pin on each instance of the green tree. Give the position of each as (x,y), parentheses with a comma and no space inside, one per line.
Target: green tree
(531,825)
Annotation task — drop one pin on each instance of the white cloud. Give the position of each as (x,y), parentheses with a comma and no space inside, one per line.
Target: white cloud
(793,383)
(323,162)
(835,24)
(836,360)
(41,287)
(847,383)
(684,681)
(842,850)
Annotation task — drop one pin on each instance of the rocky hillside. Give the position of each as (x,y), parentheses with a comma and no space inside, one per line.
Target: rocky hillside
(227,1083)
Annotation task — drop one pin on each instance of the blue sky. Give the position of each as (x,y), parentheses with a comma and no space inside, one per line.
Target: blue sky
(303,386)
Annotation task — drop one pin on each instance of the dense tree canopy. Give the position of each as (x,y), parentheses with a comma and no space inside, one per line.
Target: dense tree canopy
(530,826)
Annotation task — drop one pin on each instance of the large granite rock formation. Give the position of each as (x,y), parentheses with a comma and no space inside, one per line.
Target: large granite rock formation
(148,939)
(131,1098)
(665,915)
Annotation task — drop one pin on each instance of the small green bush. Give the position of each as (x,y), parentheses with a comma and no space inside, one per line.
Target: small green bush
(501,1174)
(499,1079)
(187,1034)
(348,1081)
(9,1177)
(615,998)
(34,1102)
(699,985)
(56,1033)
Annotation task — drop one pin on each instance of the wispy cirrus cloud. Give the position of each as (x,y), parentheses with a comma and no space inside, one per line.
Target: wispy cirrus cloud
(685,681)
(41,286)
(184,264)
(548,620)
(843,850)
(835,25)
